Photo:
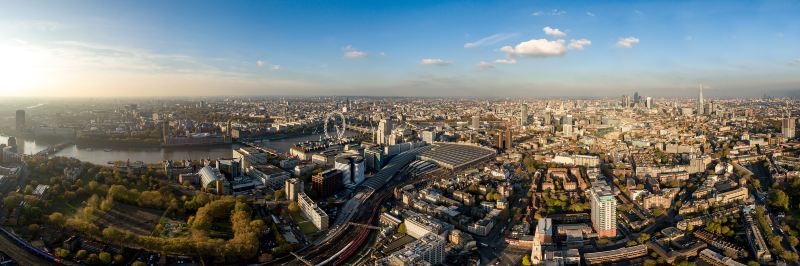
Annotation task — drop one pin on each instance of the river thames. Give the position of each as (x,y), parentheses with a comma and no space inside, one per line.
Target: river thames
(101,155)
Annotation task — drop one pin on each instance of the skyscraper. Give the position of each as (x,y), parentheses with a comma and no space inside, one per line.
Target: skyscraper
(700,102)
(788,127)
(604,209)
(293,187)
(20,120)
(476,121)
(523,115)
(384,129)
(648,102)
(626,101)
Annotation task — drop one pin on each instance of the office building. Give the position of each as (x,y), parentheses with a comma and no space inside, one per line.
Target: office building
(327,183)
(700,108)
(419,226)
(20,120)
(352,167)
(428,136)
(523,115)
(648,102)
(292,188)
(230,167)
(427,250)
(384,131)
(788,127)
(504,140)
(476,121)
(269,175)
(214,181)
(604,209)
(310,210)
(249,156)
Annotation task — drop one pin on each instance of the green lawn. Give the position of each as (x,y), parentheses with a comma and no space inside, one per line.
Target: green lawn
(306,226)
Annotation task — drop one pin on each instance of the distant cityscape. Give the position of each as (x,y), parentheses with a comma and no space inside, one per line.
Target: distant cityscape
(405,181)
(399,133)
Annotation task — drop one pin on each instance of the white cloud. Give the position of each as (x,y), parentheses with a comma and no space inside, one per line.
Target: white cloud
(554,32)
(352,53)
(485,65)
(795,62)
(536,48)
(627,42)
(589,14)
(507,61)
(262,63)
(434,62)
(554,12)
(579,44)
(496,38)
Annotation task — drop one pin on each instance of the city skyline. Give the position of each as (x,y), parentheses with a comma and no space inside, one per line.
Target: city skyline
(527,49)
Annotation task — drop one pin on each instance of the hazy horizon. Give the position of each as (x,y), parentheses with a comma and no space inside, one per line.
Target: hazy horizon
(542,49)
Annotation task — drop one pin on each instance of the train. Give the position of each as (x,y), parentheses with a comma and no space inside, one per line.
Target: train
(22,243)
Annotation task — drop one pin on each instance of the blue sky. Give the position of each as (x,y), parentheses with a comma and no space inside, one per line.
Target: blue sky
(413,48)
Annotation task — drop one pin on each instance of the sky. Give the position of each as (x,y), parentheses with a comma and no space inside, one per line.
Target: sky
(399,48)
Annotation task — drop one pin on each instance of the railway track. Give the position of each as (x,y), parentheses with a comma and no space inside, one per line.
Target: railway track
(19,254)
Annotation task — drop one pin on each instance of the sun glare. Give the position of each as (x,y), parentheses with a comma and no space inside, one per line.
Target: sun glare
(21,69)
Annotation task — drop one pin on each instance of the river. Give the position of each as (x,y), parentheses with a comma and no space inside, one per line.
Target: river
(98,155)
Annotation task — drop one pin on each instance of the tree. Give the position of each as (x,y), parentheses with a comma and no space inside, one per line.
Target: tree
(118,259)
(293,207)
(279,194)
(138,263)
(57,218)
(61,253)
(105,257)
(92,259)
(402,228)
(33,229)
(642,238)
(793,240)
(81,254)
(778,199)
(526,260)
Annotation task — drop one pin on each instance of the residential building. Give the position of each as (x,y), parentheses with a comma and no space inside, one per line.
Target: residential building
(604,209)
(311,211)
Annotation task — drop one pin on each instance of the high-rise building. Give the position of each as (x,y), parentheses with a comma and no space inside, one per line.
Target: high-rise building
(20,120)
(384,130)
(788,127)
(504,140)
(327,183)
(352,167)
(700,102)
(626,101)
(636,97)
(428,136)
(476,121)
(523,115)
(604,209)
(292,188)
(648,102)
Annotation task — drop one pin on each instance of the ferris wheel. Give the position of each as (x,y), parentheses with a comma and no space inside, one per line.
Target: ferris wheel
(340,129)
